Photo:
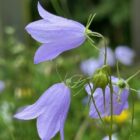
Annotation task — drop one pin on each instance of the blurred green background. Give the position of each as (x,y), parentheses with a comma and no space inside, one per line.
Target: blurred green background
(117,20)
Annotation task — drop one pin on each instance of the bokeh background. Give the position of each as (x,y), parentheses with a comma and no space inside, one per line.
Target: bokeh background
(22,82)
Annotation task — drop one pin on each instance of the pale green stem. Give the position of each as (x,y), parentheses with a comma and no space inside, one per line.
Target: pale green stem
(134,90)
(100,35)
(131,77)
(91,17)
(92,92)
(111,108)
(92,43)
(118,72)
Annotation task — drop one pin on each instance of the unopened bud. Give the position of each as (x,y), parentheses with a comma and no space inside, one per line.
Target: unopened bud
(100,78)
(121,84)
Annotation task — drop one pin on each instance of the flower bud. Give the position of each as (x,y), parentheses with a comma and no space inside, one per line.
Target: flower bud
(121,84)
(100,78)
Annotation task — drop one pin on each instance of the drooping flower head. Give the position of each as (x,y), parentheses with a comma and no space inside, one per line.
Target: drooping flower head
(50,110)
(57,34)
(119,100)
(125,55)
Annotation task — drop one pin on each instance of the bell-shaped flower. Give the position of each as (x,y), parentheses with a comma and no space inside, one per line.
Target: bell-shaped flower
(125,55)
(104,106)
(57,34)
(50,110)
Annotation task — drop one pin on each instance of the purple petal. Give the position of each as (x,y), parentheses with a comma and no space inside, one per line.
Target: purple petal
(125,55)
(56,19)
(29,112)
(118,107)
(33,111)
(45,32)
(53,118)
(51,50)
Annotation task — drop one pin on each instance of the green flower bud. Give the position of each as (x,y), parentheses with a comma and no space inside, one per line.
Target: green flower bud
(121,84)
(101,77)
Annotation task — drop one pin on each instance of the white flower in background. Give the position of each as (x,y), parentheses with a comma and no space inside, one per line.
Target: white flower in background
(110,56)
(89,66)
(125,55)
(5,112)
(2,86)
(114,137)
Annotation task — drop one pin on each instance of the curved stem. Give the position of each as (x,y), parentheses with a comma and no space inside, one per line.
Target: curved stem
(92,91)
(96,34)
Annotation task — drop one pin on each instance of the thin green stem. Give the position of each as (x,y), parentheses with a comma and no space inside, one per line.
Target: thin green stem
(92,91)
(92,43)
(100,35)
(131,77)
(91,17)
(111,108)
(118,71)
(134,90)
(97,110)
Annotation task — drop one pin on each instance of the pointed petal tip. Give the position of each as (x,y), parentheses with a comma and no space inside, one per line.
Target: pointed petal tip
(17,116)
(27,28)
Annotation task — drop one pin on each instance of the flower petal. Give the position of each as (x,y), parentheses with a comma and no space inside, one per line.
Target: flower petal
(29,112)
(45,32)
(53,118)
(33,111)
(56,19)
(118,107)
(50,51)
